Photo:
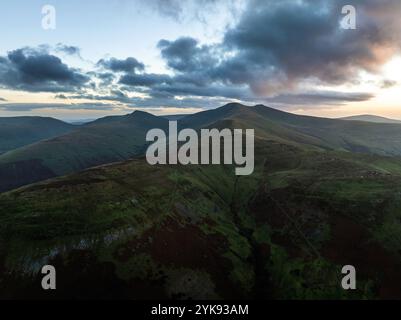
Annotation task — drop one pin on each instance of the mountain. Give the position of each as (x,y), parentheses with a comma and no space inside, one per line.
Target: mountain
(16,132)
(371,118)
(80,121)
(118,138)
(131,230)
(331,134)
(102,141)
(175,117)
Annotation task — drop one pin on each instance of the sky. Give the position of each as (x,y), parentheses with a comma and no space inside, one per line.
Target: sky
(182,56)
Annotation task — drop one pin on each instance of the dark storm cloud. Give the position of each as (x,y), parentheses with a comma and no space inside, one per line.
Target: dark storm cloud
(127,65)
(186,55)
(274,51)
(33,70)
(277,44)
(24,107)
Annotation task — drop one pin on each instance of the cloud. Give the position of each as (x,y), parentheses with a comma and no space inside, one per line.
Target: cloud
(183,103)
(24,107)
(170,8)
(276,52)
(319,98)
(70,50)
(186,55)
(278,47)
(181,9)
(2,99)
(127,65)
(33,70)
(278,44)
(114,96)
(385,84)
(144,80)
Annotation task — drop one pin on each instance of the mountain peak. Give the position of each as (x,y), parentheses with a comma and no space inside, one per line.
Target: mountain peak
(140,113)
(233,106)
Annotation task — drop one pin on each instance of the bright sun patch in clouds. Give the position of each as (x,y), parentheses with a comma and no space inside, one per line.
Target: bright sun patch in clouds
(392,69)
(175,56)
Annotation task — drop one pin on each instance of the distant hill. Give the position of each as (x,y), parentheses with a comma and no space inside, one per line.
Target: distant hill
(200,232)
(371,118)
(16,132)
(102,141)
(80,121)
(175,117)
(118,138)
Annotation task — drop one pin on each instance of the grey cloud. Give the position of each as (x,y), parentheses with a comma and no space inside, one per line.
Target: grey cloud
(114,96)
(388,84)
(186,102)
(290,41)
(212,90)
(278,44)
(186,55)
(319,98)
(178,9)
(144,80)
(275,48)
(127,65)
(24,107)
(31,70)
(70,50)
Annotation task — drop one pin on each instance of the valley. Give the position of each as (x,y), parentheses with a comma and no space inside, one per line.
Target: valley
(131,230)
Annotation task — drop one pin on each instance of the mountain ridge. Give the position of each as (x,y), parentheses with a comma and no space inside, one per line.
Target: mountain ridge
(17,132)
(119,138)
(371,118)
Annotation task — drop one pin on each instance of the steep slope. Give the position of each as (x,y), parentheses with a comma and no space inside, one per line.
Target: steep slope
(103,141)
(376,138)
(131,230)
(334,134)
(122,137)
(16,132)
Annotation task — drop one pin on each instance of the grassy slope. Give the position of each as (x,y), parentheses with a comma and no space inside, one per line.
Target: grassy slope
(104,141)
(132,230)
(16,132)
(119,138)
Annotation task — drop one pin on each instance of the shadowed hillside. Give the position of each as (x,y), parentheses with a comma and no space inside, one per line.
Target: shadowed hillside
(371,118)
(131,230)
(120,138)
(103,141)
(16,132)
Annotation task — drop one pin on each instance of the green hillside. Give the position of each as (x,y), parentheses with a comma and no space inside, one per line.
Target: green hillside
(103,141)
(16,132)
(120,138)
(131,230)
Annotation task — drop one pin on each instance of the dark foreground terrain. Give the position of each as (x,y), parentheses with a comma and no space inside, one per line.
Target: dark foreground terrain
(325,193)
